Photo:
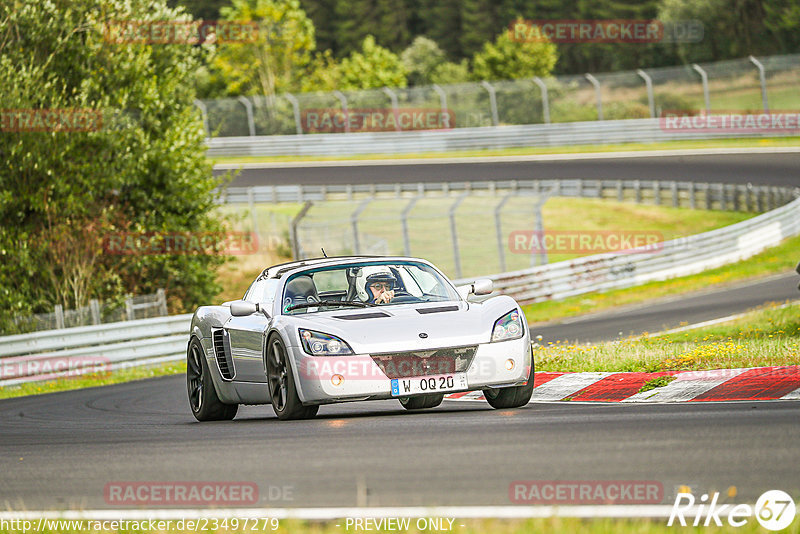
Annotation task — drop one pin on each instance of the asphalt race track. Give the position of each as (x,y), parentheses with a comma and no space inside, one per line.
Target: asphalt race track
(758,168)
(61,450)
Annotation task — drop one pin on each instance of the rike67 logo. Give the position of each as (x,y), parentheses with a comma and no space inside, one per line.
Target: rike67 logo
(774,510)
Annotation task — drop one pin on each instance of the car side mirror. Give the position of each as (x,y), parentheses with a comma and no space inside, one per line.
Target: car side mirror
(481,286)
(242,308)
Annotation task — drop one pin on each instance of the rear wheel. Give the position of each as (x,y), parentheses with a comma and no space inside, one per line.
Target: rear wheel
(203,399)
(422,402)
(513,397)
(282,390)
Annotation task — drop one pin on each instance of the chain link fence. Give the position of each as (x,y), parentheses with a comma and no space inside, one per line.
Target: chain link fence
(742,85)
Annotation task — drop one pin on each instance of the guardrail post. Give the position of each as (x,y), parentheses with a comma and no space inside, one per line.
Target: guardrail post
(248,107)
(343,102)
(673,187)
(637,191)
(723,201)
(709,196)
(296,109)
(692,196)
(454,233)
(620,191)
(442,97)
(759,199)
(501,250)
(94,308)
(204,112)
(762,77)
(737,204)
(492,102)
(293,234)
(162,301)
(354,222)
(704,79)
(395,109)
(748,200)
(59,313)
(657,192)
(404,223)
(129,308)
(598,94)
(545,99)
(650,98)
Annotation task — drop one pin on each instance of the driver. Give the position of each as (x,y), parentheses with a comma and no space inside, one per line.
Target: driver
(379,287)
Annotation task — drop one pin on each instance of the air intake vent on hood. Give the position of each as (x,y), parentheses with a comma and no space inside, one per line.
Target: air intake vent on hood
(357,316)
(438,309)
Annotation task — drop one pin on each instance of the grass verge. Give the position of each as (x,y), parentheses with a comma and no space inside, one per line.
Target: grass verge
(92,380)
(764,337)
(779,259)
(526,151)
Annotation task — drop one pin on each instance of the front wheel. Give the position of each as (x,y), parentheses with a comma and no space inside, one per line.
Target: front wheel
(422,402)
(282,390)
(513,397)
(203,399)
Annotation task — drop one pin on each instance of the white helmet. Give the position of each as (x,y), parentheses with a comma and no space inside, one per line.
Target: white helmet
(370,274)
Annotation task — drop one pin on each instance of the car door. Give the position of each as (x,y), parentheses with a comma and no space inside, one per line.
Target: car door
(246,334)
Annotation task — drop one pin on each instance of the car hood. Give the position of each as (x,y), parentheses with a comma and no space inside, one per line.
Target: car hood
(411,326)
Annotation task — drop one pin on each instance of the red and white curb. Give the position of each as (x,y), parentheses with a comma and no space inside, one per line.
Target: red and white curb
(757,383)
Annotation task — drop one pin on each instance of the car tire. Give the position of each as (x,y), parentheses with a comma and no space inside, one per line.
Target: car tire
(513,397)
(422,402)
(280,380)
(203,398)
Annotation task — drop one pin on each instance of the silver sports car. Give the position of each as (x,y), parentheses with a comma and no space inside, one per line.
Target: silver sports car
(343,329)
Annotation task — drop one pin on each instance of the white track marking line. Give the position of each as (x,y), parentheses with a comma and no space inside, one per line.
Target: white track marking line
(565,385)
(793,395)
(509,159)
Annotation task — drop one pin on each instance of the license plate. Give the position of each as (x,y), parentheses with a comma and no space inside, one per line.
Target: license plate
(428,384)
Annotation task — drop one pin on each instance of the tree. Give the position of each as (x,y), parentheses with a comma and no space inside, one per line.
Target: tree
(373,66)
(137,165)
(421,60)
(507,59)
(275,62)
(385,20)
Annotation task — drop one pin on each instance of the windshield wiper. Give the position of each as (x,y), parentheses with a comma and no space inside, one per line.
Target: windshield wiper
(356,303)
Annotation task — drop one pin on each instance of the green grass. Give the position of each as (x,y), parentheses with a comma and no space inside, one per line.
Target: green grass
(658,382)
(780,259)
(743,142)
(494,526)
(92,380)
(765,337)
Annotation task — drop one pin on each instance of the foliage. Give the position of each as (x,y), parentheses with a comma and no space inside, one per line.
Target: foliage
(372,66)
(421,60)
(141,168)
(507,59)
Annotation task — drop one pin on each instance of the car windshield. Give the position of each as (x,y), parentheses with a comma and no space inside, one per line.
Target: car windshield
(365,285)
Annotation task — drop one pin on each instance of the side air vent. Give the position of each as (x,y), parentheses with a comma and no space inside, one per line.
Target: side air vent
(357,316)
(222,350)
(437,309)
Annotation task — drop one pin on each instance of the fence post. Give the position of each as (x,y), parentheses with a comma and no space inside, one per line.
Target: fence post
(94,307)
(354,222)
(704,79)
(651,101)
(620,191)
(692,196)
(762,77)
(293,235)
(129,308)
(545,99)
(296,108)
(598,95)
(492,101)
(637,191)
(59,312)
(162,301)
(395,107)
(442,97)
(709,196)
(723,201)
(454,233)
(404,223)
(657,192)
(248,106)
(501,251)
(673,186)
(343,102)
(204,112)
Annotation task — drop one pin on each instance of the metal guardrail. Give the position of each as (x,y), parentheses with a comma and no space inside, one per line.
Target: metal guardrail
(490,137)
(92,349)
(678,257)
(738,197)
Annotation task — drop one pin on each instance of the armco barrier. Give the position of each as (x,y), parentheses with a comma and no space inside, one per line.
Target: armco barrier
(678,257)
(74,351)
(489,137)
(30,357)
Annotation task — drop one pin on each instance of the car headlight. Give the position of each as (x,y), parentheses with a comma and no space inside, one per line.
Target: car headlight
(319,344)
(508,327)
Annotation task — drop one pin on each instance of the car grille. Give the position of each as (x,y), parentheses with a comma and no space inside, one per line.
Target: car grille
(425,362)
(222,350)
